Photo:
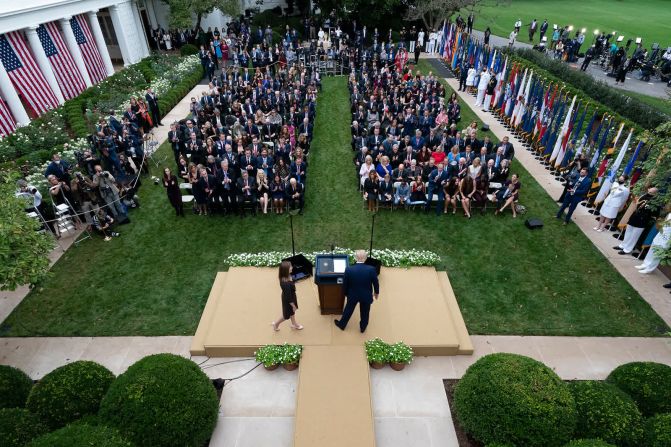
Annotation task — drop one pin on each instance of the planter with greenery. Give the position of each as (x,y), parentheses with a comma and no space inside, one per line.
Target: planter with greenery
(270,356)
(19,426)
(377,353)
(605,412)
(163,400)
(15,385)
(509,398)
(70,392)
(291,356)
(399,355)
(648,383)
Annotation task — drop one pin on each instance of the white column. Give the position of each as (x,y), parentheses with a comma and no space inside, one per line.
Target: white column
(75,51)
(43,62)
(142,36)
(10,96)
(100,41)
(120,35)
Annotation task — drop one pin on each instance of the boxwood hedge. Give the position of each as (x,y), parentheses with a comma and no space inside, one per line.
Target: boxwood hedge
(648,383)
(658,431)
(19,426)
(82,435)
(15,386)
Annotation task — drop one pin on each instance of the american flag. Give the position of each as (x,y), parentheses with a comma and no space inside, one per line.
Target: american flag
(25,74)
(7,123)
(92,59)
(64,67)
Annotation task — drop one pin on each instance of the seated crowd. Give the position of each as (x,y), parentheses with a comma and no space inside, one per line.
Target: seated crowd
(409,152)
(247,142)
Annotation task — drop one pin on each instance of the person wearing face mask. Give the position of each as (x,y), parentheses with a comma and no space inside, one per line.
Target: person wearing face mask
(617,197)
(58,168)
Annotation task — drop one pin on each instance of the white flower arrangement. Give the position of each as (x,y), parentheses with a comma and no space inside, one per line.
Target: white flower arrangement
(388,257)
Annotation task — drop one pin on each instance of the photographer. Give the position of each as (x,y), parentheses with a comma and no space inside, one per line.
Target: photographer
(34,203)
(58,168)
(109,193)
(102,222)
(60,193)
(83,193)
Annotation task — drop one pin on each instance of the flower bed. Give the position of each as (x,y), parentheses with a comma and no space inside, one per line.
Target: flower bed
(389,258)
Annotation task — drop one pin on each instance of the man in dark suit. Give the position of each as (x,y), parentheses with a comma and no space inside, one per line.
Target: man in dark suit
(152,102)
(361,286)
(575,195)
(508,149)
(246,186)
(174,136)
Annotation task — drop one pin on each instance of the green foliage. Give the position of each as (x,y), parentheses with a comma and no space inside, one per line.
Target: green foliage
(657,166)
(18,427)
(181,11)
(291,354)
(513,398)
(269,355)
(70,392)
(377,351)
(82,435)
(632,109)
(23,251)
(499,444)
(607,413)
(163,400)
(588,443)
(400,353)
(15,386)
(658,431)
(41,134)
(188,50)
(648,383)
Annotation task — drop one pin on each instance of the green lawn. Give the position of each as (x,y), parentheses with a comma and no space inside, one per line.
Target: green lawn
(155,278)
(648,19)
(661,104)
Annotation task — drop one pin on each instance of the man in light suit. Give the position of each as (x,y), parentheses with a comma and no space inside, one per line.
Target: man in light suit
(361,287)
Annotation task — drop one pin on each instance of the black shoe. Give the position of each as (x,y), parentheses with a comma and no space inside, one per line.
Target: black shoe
(617,247)
(337,323)
(622,252)
(362,330)
(667,285)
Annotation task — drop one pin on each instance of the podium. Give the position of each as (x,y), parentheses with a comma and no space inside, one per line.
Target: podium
(329,273)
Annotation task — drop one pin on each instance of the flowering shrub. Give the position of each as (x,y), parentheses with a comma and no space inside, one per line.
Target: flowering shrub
(388,257)
(400,353)
(377,351)
(271,355)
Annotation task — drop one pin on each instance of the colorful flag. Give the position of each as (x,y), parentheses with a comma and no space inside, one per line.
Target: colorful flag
(564,129)
(25,74)
(67,74)
(92,59)
(7,123)
(608,182)
(632,160)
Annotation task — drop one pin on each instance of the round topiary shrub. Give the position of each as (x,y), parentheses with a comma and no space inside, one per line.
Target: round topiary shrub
(658,431)
(163,400)
(588,443)
(15,386)
(188,50)
(82,435)
(509,398)
(605,412)
(648,383)
(70,392)
(19,426)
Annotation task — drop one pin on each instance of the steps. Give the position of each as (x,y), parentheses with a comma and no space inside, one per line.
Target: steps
(216,292)
(465,344)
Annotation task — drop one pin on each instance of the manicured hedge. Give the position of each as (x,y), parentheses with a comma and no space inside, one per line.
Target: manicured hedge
(634,110)
(509,398)
(588,443)
(605,412)
(15,386)
(648,383)
(163,400)
(82,435)
(658,431)
(19,426)
(188,50)
(70,392)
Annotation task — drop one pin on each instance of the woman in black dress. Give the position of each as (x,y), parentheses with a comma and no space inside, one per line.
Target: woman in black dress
(289,301)
(172,188)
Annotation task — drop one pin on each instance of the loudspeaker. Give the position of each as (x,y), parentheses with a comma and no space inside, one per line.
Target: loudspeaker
(534,223)
(301,267)
(485,127)
(374,263)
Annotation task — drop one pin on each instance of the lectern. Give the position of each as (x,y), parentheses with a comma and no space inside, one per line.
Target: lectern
(329,273)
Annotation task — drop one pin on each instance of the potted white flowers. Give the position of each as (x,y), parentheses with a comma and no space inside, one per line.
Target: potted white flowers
(399,355)
(272,356)
(377,353)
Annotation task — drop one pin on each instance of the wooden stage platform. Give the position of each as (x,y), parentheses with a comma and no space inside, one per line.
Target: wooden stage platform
(416,306)
(333,407)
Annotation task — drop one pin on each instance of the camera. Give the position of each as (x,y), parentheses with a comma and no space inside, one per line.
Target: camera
(106,174)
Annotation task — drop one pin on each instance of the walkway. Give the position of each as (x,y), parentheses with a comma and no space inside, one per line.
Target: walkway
(633,84)
(648,286)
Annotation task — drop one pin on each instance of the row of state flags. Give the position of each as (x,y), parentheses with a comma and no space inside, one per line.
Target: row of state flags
(552,119)
(24,73)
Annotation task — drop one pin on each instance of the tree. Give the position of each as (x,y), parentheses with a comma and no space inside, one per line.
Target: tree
(183,11)
(23,251)
(359,9)
(434,12)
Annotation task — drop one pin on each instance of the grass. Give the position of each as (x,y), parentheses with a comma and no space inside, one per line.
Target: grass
(155,278)
(661,104)
(648,19)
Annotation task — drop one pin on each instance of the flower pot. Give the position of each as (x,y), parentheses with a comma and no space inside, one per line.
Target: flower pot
(377,365)
(290,366)
(271,367)
(397,366)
